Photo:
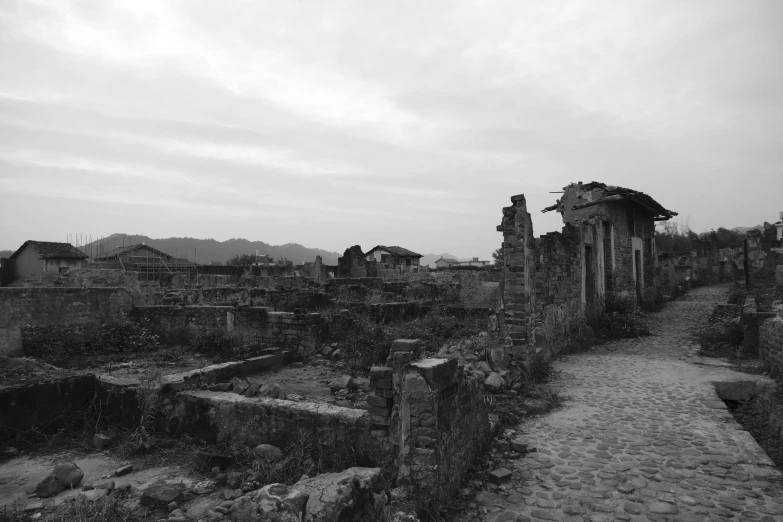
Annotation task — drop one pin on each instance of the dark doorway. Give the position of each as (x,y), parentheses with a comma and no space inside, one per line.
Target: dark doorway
(637,259)
(722,271)
(589,283)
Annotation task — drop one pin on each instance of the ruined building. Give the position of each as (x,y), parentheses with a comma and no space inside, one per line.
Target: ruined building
(554,285)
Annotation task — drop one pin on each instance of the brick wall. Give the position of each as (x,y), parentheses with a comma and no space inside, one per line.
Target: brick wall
(771,345)
(47,306)
(252,325)
(517,314)
(439,422)
(560,315)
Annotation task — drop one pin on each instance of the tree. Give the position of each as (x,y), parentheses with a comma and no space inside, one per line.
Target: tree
(499,257)
(242,260)
(282,261)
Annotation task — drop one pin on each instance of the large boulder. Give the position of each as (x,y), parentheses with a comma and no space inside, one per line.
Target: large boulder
(335,497)
(160,495)
(49,487)
(494,381)
(268,452)
(68,473)
(279,498)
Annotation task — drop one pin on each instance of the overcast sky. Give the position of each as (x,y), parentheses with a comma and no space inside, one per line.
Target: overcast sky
(332,123)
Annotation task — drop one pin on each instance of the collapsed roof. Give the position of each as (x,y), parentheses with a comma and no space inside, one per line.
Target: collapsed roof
(596,193)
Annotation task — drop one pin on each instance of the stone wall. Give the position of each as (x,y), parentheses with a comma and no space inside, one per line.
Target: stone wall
(251,325)
(43,406)
(560,317)
(353,264)
(439,422)
(47,306)
(771,345)
(518,295)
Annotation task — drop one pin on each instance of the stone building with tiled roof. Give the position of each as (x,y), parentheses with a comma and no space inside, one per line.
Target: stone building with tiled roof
(34,259)
(394,257)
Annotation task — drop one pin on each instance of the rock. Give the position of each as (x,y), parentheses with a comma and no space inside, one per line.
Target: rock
(220,387)
(68,473)
(239,385)
(100,441)
(497,357)
(231,494)
(172,506)
(94,494)
(8,453)
(34,506)
(123,470)
(271,391)
(735,391)
(243,510)
(159,496)
(87,486)
(107,485)
(252,390)
(234,480)
(483,367)
(362,383)
(519,447)
(344,382)
(499,476)
(494,381)
(336,496)
(279,498)
(49,487)
(268,452)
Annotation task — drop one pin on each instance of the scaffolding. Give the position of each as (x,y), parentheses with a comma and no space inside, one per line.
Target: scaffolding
(150,264)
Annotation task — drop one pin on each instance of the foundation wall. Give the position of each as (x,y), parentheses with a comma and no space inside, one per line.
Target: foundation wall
(47,306)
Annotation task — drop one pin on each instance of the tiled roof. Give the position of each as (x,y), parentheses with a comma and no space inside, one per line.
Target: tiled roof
(50,250)
(403,252)
(125,250)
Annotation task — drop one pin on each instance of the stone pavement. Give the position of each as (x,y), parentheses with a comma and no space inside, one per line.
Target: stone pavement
(642,436)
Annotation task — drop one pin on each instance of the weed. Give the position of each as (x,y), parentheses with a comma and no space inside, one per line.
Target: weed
(538,369)
(111,508)
(58,344)
(142,439)
(653,299)
(621,326)
(722,338)
(13,512)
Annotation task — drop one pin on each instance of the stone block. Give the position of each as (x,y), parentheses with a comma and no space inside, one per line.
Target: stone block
(406,345)
(499,476)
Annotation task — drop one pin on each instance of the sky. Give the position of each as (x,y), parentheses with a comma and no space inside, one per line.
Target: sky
(336,123)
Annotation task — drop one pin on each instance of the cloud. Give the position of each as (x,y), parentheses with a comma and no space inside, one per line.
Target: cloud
(361,114)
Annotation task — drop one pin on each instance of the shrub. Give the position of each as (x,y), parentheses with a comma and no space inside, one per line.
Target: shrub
(737,294)
(615,303)
(59,343)
(621,326)
(653,299)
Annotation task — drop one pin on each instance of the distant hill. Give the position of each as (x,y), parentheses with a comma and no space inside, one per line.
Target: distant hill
(6,253)
(206,251)
(430,259)
(743,230)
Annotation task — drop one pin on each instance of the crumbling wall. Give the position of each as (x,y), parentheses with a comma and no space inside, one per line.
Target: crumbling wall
(771,345)
(439,423)
(43,405)
(252,325)
(353,264)
(47,306)
(516,317)
(560,317)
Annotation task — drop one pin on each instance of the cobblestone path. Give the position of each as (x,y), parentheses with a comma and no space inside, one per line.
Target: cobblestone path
(642,436)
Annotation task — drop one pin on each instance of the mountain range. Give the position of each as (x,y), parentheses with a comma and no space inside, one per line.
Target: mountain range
(206,251)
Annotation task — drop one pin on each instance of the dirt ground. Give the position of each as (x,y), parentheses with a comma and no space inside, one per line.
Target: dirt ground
(308,380)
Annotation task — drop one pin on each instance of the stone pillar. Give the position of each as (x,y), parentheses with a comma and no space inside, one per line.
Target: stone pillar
(518,295)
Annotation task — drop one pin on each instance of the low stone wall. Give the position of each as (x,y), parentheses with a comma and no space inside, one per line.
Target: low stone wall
(439,422)
(43,406)
(47,306)
(253,325)
(221,416)
(771,345)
